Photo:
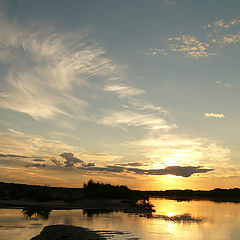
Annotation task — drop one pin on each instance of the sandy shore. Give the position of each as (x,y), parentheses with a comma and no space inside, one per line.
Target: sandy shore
(67,232)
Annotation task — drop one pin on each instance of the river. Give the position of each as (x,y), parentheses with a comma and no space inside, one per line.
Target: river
(193,220)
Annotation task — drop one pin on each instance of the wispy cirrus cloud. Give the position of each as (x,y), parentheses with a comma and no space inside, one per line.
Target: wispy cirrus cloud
(214,115)
(151,107)
(37,151)
(124,90)
(99,157)
(44,64)
(14,142)
(133,118)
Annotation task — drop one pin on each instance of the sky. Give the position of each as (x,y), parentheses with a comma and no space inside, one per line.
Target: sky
(141,93)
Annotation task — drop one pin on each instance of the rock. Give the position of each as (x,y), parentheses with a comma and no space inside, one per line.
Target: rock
(67,232)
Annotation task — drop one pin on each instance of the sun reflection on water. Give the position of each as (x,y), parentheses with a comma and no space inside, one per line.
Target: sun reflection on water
(172,220)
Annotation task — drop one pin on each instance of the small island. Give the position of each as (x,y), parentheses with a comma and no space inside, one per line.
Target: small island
(67,232)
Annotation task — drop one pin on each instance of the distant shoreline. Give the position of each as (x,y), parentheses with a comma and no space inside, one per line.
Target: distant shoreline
(188,199)
(216,195)
(96,195)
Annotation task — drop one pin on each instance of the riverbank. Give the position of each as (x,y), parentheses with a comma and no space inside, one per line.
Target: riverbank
(85,203)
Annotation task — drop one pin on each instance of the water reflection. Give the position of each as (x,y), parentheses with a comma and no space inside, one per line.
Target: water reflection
(44,213)
(30,212)
(172,220)
(96,212)
(146,215)
(185,218)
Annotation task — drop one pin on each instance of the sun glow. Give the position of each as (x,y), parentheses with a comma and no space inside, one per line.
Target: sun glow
(170,161)
(171,214)
(179,158)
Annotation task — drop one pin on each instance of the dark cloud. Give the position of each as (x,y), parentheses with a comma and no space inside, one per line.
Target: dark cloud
(88,165)
(133,164)
(38,160)
(37,165)
(13,156)
(173,170)
(56,161)
(70,159)
(104,169)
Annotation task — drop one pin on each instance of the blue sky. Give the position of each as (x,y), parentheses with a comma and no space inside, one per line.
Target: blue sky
(143,93)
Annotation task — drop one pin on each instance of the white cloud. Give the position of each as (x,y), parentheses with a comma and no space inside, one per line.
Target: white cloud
(190,46)
(230,39)
(215,115)
(44,65)
(131,118)
(228,85)
(100,157)
(123,90)
(216,35)
(156,51)
(16,142)
(145,106)
(223,24)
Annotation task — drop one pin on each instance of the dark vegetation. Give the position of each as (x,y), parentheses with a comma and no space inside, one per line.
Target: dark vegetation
(93,190)
(12,191)
(30,212)
(217,194)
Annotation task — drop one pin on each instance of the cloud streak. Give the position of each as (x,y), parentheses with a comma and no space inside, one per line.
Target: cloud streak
(132,118)
(12,156)
(214,115)
(123,90)
(15,141)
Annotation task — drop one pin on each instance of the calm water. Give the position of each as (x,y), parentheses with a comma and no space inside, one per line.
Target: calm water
(195,220)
